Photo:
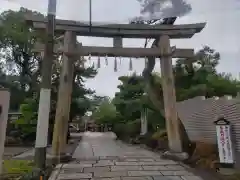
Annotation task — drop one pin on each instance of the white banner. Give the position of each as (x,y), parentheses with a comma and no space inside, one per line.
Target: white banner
(43,118)
(224,144)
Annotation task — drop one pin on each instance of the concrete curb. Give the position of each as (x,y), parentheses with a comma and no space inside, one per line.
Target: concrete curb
(56,172)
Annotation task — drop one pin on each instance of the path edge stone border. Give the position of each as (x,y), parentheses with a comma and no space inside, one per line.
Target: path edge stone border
(55,172)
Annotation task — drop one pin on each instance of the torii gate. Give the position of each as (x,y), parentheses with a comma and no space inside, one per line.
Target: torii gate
(71,50)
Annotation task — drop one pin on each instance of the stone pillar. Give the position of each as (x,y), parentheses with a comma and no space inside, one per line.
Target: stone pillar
(64,97)
(4,106)
(144,123)
(172,122)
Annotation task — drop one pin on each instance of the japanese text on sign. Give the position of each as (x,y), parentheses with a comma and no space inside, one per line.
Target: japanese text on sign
(224,144)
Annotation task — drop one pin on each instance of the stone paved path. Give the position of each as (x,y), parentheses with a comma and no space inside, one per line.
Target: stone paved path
(100,157)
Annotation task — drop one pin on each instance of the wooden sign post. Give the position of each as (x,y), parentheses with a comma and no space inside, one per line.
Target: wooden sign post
(4,106)
(224,140)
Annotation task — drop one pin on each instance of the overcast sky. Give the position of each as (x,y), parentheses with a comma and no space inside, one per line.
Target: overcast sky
(221,33)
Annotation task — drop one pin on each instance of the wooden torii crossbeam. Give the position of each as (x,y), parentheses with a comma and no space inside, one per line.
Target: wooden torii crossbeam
(122,30)
(117,52)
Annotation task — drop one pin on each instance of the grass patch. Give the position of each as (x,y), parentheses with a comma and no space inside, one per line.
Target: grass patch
(17,166)
(23,170)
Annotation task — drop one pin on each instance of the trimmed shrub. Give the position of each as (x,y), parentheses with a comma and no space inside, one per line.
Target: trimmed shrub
(133,128)
(205,155)
(161,138)
(162,134)
(119,130)
(129,130)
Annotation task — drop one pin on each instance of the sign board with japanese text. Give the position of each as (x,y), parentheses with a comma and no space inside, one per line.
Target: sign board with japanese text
(224,141)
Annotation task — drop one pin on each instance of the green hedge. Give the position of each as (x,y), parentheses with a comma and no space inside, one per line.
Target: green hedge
(127,130)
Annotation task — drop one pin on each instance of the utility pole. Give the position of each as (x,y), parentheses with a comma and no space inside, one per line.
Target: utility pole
(4,106)
(90,13)
(64,98)
(45,92)
(169,94)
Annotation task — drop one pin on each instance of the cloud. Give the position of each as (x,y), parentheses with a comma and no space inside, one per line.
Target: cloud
(157,9)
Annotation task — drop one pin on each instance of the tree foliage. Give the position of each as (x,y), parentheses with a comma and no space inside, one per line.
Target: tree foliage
(27,123)
(105,113)
(128,101)
(19,64)
(199,77)
(193,77)
(16,41)
(20,68)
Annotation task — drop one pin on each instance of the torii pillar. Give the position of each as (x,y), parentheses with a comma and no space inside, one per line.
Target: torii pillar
(169,95)
(64,98)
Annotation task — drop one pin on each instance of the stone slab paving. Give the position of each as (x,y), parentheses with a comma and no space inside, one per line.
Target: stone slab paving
(109,159)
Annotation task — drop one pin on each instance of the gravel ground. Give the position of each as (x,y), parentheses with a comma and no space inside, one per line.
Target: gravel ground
(10,152)
(28,152)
